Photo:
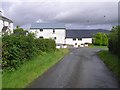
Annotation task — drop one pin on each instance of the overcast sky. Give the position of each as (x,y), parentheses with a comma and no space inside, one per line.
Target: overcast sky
(75,13)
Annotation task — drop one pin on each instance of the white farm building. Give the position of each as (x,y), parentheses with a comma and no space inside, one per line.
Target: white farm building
(6,25)
(63,36)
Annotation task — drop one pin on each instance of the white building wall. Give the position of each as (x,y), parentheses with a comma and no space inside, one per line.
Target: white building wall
(11,27)
(48,33)
(60,35)
(86,40)
(70,41)
(6,23)
(1,26)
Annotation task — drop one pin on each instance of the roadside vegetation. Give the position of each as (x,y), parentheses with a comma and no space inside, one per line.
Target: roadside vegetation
(114,41)
(18,48)
(111,61)
(25,57)
(100,39)
(102,47)
(32,69)
(111,57)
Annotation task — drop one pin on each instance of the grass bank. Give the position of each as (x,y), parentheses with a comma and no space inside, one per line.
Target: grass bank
(93,46)
(32,69)
(111,61)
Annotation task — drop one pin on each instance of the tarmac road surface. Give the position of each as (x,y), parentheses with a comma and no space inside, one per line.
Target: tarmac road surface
(82,68)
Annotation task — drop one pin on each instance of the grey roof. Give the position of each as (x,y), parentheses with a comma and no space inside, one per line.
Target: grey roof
(5,19)
(47,25)
(84,33)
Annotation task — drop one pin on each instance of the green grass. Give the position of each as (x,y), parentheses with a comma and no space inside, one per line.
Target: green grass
(0,63)
(0,78)
(32,69)
(103,47)
(111,61)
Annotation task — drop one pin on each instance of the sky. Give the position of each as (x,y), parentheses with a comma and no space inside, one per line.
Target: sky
(82,14)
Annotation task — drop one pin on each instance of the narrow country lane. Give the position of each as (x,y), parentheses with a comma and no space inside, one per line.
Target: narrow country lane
(82,68)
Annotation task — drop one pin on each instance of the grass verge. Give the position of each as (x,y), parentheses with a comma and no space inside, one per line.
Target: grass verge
(111,61)
(32,69)
(0,79)
(92,46)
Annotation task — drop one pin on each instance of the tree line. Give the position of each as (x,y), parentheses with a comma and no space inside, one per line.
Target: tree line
(112,40)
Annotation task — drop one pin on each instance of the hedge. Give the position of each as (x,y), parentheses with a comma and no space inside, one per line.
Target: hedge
(114,40)
(18,48)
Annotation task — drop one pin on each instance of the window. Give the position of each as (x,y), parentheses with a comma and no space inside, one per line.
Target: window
(55,38)
(75,43)
(74,39)
(53,30)
(41,30)
(3,23)
(79,38)
(36,31)
(41,37)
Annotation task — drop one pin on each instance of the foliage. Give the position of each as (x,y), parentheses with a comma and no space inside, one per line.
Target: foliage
(104,39)
(20,31)
(111,61)
(100,39)
(114,42)
(29,71)
(46,45)
(18,48)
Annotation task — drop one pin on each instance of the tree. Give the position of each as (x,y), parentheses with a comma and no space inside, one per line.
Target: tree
(17,26)
(104,39)
(114,40)
(100,39)
(19,31)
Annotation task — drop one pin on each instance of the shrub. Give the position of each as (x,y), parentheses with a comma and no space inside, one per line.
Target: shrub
(20,31)
(46,45)
(100,39)
(18,48)
(104,39)
(114,40)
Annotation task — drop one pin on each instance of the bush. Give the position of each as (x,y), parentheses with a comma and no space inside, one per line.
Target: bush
(20,31)
(46,45)
(100,39)
(18,48)
(114,40)
(104,39)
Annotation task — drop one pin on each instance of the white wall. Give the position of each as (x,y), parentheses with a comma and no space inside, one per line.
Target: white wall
(6,23)
(48,33)
(86,40)
(1,26)
(11,27)
(70,41)
(60,34)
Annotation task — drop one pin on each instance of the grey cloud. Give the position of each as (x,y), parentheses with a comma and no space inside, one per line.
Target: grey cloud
(79,13)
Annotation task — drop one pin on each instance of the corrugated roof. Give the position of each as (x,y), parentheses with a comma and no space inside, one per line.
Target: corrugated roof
(5,19)
(47,25)
(84,33)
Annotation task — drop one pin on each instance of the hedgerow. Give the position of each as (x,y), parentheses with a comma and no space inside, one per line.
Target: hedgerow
(114,40)
(18,48)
